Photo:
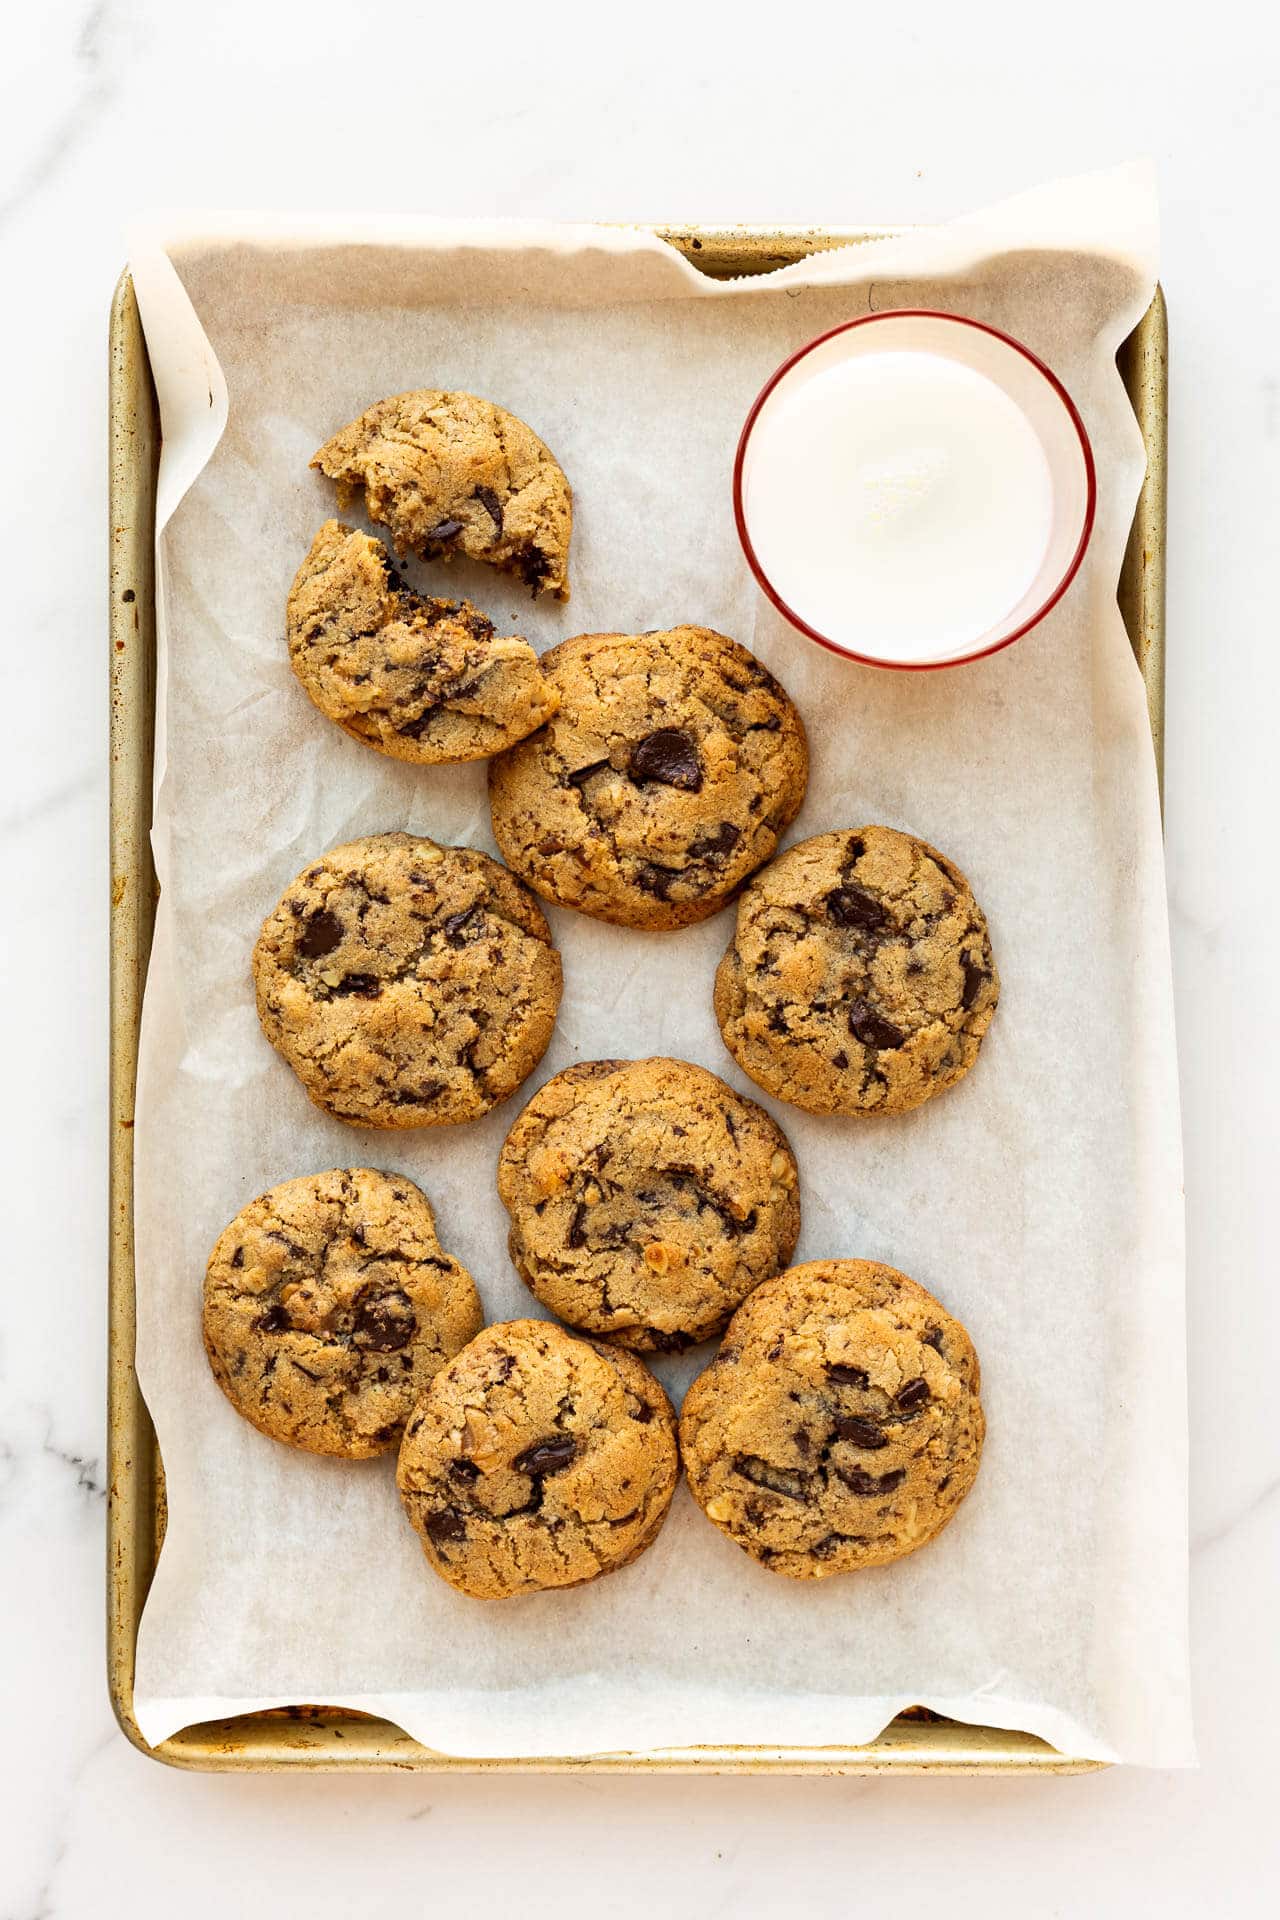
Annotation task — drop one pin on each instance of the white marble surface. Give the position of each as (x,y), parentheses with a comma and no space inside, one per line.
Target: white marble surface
(659,113)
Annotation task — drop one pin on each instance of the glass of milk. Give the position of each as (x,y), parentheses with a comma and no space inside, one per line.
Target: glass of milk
(914,489)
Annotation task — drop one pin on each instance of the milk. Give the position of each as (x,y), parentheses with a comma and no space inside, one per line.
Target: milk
(899,502)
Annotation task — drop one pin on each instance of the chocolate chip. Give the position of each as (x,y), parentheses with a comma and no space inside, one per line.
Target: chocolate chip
(643,1413)
(274,1320)
(505,1368)
(870,1484)
(914,1394)
(974,975)
(384,1322)
(492,505)
(872,1028)
(850,907)
(237,1258)
(840,1061)
(128,596)
(446,1526)
(322,933)
(761,1473)
(364,986)
(546,1456)
(669,755)
(576,1237)
(848,1376)
(932,1337)
(461,927)
(862,1433)
(854,850)
(802,1440)
(465,1470)
(446,530)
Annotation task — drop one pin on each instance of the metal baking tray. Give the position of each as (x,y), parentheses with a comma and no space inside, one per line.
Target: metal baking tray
(317,1738)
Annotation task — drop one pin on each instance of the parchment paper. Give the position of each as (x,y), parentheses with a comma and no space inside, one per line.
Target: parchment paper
(1040,1200)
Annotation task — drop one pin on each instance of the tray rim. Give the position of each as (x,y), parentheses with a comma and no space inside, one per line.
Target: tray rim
(318,1739)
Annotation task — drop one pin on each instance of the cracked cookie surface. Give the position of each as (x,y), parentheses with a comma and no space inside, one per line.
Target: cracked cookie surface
(839,1426)
(859,979)
(451,473)
(668,774)
(329,1305)
(647,1198)
(407,984)
(537,1460)
(419,679)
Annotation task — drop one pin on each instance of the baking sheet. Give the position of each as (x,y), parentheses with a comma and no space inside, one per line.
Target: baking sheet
(1040,1200)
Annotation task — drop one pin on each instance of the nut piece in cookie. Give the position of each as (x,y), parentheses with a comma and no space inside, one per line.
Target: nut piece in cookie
(839,1426)
(668,774)
(536,1460)
(329,1305)
(859,979)
(647,1199)
(451,473)
(419,679)
(407,984)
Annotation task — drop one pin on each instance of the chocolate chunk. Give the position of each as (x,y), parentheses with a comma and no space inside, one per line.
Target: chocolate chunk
(365,986)
(872,1028)
(461,927)
(762,1473)
(850,907)
(322,933)
(714,846)
(657,880)
(533,566)
(671,756)
(932,1337)
(848,1376)
(914,1394)
(870,1484)
(667,1342)
(546,1456)
(854,850)
(492,505)
(385,1322)
(974,975)
(275,1319)
(643,1413)
(862,1433)
(237,1258)
(464,1470)
(446,1526)
(576,1237)
(446,530)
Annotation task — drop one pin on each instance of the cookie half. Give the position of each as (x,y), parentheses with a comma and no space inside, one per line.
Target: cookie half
(407,984)
(452,473)
(668,774)
(859,978)
(536,1460)
(839,1426)
(425,680)
(647,1199)
(329,1305)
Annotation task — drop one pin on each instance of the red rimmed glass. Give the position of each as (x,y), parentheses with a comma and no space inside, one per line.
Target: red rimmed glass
(1053,415)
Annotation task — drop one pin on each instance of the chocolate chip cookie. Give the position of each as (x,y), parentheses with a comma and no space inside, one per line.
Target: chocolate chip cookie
(839,1426)
(451,473)
(536,1460)
(647,1198)
(860,978)
(672,767)
(407,984)
(329,1305)
(419,679)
